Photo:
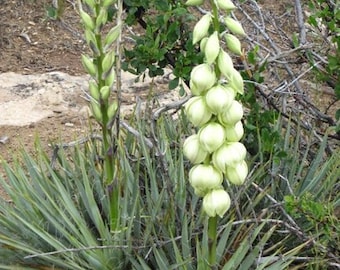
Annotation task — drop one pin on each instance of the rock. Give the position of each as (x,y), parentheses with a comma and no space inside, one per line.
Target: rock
(3,139)
(27,99)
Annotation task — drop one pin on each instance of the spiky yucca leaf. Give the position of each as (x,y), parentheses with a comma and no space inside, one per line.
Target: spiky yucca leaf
(57,217)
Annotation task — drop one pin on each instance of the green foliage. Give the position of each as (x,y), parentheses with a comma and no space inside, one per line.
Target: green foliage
(262,134)
(315,216)
(55,12)
(167,39)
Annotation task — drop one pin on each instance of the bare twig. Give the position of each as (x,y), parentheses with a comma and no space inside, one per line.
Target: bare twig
(137,134)
(170,106)
(300,22)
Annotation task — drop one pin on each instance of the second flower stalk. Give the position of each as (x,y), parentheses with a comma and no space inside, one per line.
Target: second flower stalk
(215,150)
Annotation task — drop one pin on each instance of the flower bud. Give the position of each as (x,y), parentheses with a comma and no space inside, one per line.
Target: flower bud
(237,174)
(108,61)
(203,43)
(212,48)
(197,111)
(101,19)
(111,111)
(91,4)
(204,178)
(234,26)
(203,77)
(194,2)
(87,20)
(229,154)
(194,90)
(219,98)
(232,115)
(105,92)
(93,89)
(216,202)
(225,64)
(236,82)
(96,111)
(211,136)
(225,5)
(107,3)
(233,44)
(193,150)
(234,133)
(111,36)
(201,28)
(90,38)
(110,78)
(88,65)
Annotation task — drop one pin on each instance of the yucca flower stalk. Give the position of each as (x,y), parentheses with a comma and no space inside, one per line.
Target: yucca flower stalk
(101,67)
(215,150)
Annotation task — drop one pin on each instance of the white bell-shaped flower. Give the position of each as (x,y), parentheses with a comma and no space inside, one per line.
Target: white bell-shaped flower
(216,202)
(229,154)
(234,26)
(197,111)
(234,133)
(204,178)
(233,44)
(237,174)
(232,115)
(203,77)
(193,150)
(211,136)
(219,98)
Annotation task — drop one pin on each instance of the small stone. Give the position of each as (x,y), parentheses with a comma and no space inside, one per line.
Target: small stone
(4,139)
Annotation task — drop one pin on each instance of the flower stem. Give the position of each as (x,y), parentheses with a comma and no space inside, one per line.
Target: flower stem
(108,174)
(215,18)
(212,240)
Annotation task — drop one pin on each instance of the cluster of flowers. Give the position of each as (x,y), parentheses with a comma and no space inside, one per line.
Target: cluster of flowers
(101,69)
(215,150)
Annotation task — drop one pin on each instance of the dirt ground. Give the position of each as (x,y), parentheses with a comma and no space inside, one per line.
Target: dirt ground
(33,43)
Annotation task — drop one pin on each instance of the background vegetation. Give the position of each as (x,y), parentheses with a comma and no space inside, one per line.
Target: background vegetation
(286,215)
